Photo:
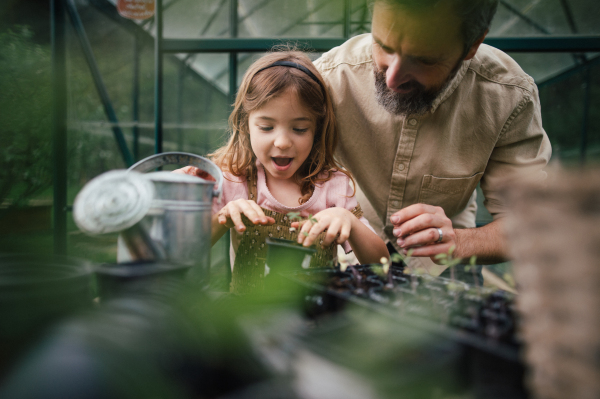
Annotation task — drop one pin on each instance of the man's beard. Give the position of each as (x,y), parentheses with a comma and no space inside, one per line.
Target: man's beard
(418,101)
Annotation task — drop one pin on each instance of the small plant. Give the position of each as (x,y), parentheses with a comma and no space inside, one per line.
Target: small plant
(344,262)
(296,216)
(398,257)
(448,260)
(472,268)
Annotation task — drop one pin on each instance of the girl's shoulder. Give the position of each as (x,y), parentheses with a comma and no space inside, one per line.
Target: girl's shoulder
(334,177)
(339,184)
(231,178)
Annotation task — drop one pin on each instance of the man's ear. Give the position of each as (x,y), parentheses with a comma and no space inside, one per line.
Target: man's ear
(475,46)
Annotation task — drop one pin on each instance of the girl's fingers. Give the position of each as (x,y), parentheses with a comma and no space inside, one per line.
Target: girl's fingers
(236,218)
(332,232)
(316,229)
(262,218)
(344,233)
(304,231)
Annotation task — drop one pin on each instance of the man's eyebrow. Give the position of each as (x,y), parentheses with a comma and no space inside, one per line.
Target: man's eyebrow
(379,42)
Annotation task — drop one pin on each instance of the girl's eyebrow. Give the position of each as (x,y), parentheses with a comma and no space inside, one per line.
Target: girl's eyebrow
(302,118)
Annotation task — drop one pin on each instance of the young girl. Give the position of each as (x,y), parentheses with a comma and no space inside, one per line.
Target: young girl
(279,159)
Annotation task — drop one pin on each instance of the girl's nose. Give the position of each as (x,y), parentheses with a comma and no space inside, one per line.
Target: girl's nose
(282,141)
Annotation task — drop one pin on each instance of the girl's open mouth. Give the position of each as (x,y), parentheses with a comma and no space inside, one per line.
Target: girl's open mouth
(282,163)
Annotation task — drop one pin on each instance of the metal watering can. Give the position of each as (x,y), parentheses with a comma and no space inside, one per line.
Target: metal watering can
(162,216)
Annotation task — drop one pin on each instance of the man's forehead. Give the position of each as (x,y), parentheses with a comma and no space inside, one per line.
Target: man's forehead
(425,31)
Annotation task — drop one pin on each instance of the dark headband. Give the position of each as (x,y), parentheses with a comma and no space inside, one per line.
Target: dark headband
(294,65)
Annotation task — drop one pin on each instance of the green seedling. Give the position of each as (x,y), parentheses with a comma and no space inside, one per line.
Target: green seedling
(472,268)
(344,262)
(448,260)
(398,257)
(296,216)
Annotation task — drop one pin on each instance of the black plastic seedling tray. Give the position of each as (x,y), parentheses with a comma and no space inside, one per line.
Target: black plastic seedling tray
(482,321)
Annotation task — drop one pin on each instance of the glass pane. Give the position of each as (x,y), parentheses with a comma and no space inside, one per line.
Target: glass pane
(264,18)
(196,106)
(539,17)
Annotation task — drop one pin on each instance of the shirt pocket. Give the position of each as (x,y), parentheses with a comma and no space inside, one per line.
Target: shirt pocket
(451,193)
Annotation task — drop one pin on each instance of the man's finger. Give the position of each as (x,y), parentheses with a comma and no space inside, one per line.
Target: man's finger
(411,212)
(424,237)
(429,250)
(419,223)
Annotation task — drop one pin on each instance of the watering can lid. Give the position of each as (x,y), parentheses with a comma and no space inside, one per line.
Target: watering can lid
(112,202)
(171,177)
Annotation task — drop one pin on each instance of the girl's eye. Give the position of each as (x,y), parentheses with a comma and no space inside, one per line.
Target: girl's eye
(303,130)
(265,128)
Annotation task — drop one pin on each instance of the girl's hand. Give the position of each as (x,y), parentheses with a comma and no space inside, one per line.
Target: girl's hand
(231,214)
(337,221)
(194,171)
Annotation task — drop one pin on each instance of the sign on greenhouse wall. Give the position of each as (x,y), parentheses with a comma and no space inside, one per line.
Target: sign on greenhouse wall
(136,9)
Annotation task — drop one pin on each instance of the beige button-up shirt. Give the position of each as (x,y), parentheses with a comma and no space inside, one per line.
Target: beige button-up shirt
(485,127)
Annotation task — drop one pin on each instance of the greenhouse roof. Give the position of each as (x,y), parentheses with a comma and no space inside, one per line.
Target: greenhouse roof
(329,19)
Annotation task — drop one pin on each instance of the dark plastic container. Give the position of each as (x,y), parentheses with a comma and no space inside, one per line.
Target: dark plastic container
(285,255)
(127,278)
(35,293)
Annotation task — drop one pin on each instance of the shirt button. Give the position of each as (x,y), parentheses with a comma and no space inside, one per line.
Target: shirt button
(412,122)
(395,204)
(401,167)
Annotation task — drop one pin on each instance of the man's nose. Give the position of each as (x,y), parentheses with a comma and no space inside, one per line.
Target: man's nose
(396,73)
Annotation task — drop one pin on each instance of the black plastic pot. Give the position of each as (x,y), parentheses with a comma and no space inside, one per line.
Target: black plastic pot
(285,255)
(127,278)
(35,293)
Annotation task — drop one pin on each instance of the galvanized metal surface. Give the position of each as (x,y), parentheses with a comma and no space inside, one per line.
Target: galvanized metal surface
(113,202)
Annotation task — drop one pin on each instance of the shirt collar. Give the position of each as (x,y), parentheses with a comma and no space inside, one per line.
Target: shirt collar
(447,92)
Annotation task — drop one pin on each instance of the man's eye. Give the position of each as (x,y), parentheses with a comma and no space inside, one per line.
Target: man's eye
(385,48)
(428,62)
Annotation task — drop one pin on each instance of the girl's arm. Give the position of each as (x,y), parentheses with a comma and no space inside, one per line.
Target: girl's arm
(342,225)
(367,246)
(217,229)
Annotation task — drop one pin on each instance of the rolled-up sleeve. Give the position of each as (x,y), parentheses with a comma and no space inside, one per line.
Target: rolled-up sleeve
(521,152)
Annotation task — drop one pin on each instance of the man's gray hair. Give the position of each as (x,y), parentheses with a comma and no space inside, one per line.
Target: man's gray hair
(476,15)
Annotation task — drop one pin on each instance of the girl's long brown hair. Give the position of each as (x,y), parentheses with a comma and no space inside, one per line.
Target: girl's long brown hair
(256,90)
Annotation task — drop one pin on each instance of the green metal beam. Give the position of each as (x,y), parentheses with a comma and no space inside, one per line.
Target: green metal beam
(547,44)
(226,45)
(575,70)
(542,44)
(59,124)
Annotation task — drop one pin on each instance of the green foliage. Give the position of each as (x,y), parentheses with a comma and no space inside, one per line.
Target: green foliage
(398,257)
(25,112)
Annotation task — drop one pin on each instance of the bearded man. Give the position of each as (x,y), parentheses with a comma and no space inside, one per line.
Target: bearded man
(426,112)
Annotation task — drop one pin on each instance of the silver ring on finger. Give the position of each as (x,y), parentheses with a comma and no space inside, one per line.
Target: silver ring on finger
(441,235)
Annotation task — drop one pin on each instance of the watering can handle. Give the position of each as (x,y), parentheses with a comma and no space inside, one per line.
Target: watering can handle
(181,158)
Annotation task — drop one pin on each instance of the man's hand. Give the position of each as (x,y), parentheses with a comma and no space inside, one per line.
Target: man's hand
(416,227)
